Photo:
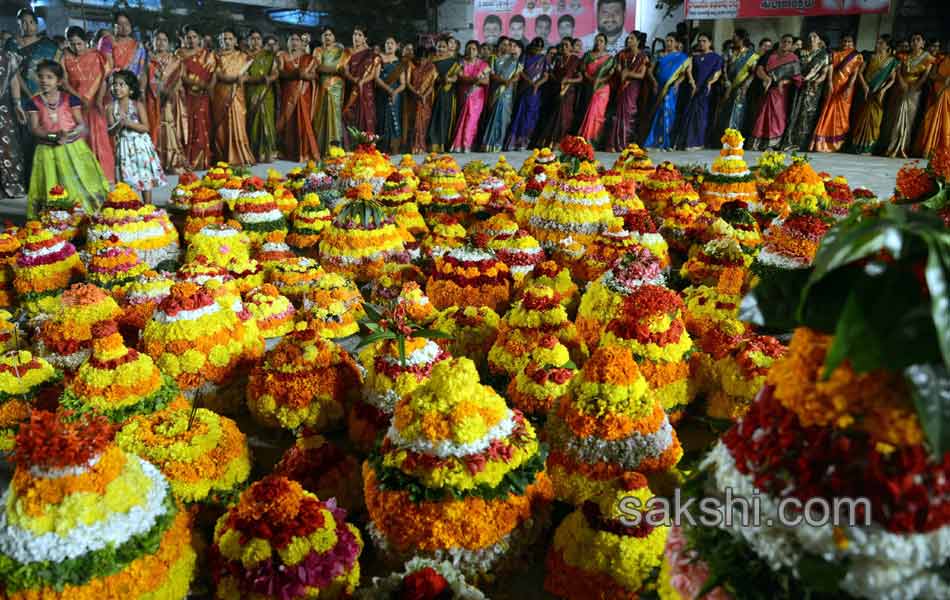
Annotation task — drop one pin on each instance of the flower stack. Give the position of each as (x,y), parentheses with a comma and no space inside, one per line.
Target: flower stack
(471,332)
(684,220)
(272,249)
(306,381)
(257,211)
(447,188)
(9,249)
(528,197)
(516,248)
(737,377)
(231,190)
(61,215)
(469,277)
(333,306)
(602,550)
(603,299)
(207,208)
(294,278)
(45,267)
(537,388)
(623,193)
(119,382)
(660,187)
(602,253)
(650,324)
(446,234)
(274,313)
(142,227)
(398,200)
(217,176)
(308,221)
(635,164)
(504,171)
(458,476)
(720,257)
(361,239)
(324,186)
(203,344)
(577,206)
(324,470)
(730,179)
(203,455)
(791,243)
(113,266)
(840,197)
(139,299)
(65,340)
(26,382)
(83,520)
(539,311)
(500,198)
(285,199)
(798,185)
(365,164)
(548,273)
(280,537)
(422,579)
(180,201)
(643,229)
(610,425)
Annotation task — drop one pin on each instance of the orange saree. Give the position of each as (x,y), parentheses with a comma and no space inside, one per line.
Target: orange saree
(86,73)
(295,123)
(165,104)
(197,73)
(935,130)
(229,111)
(834,123)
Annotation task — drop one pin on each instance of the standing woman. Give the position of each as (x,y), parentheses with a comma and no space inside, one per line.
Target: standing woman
(535,75)
(407,55)
(815,71)
(703,72)
(567,76)
(127,52)
(632,65)
(834,122)
(198,73)
(329,58)
(447,69)
(778,73)
(261,100)
(228,104)
(935,131)
(11,158)
(86,73)
(297,92)
(670,72)
(506,75)
(912,76)
(422,88)
(391,81)
(597,70)
(473,83)
(165,104)
(361,69)
(739,76)
(877,78)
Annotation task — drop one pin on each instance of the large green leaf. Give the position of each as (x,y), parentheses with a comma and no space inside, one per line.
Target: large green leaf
(930,389)
(937,275)
(375,337)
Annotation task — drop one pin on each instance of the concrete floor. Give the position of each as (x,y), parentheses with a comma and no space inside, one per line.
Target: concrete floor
(873,172)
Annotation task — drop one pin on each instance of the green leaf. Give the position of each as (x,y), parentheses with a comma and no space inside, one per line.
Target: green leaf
(930,389)
(569,365)
(937,274)
(823,576)
(373,312)
(375,337)
(773,303)
(402,350)
(939,200)
(851,336)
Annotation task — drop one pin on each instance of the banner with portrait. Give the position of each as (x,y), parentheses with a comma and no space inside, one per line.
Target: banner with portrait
(552,20)
(754,9)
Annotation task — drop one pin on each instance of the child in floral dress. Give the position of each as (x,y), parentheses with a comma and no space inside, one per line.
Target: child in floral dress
(136,161)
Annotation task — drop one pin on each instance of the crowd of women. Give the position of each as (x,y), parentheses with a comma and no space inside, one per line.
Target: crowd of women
(246,101)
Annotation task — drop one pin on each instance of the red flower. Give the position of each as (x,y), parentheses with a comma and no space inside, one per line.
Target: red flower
(914,184)
(255,184)
(940,165)
(424,584)
(57,190)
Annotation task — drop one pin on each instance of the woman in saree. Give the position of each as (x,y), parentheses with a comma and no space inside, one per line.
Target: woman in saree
(447,68)
(566,76)
(875,81)
(505,76)
(228,104)
(12,181)
(703,72)
(801,124)
(391,81)
(421,87)
(165,103)
(127,53)
(361,69)
(328,58)
(912,76)
(535,75)
(780,71)
(297,74)
(598,67)
(670,72)
(632,65)
(739,75)
(935,130)
(407,54)
(198,71)
(86,73)
(472,85)
(261,99)
(834,123)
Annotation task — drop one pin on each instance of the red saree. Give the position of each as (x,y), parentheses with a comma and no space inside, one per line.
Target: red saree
(423,81)
(198,70)
(772,119)
(294,123)
(360,108)
(85,73)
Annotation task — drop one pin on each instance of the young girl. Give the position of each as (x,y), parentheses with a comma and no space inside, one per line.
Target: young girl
(136,160)
(62,156)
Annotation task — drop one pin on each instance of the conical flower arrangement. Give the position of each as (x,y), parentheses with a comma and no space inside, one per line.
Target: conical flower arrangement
(66,339)
(730,179)
(26,382)
(45,267)
(142,227)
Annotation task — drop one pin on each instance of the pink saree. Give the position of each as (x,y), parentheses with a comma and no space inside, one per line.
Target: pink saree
(597,68)
(472,97)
